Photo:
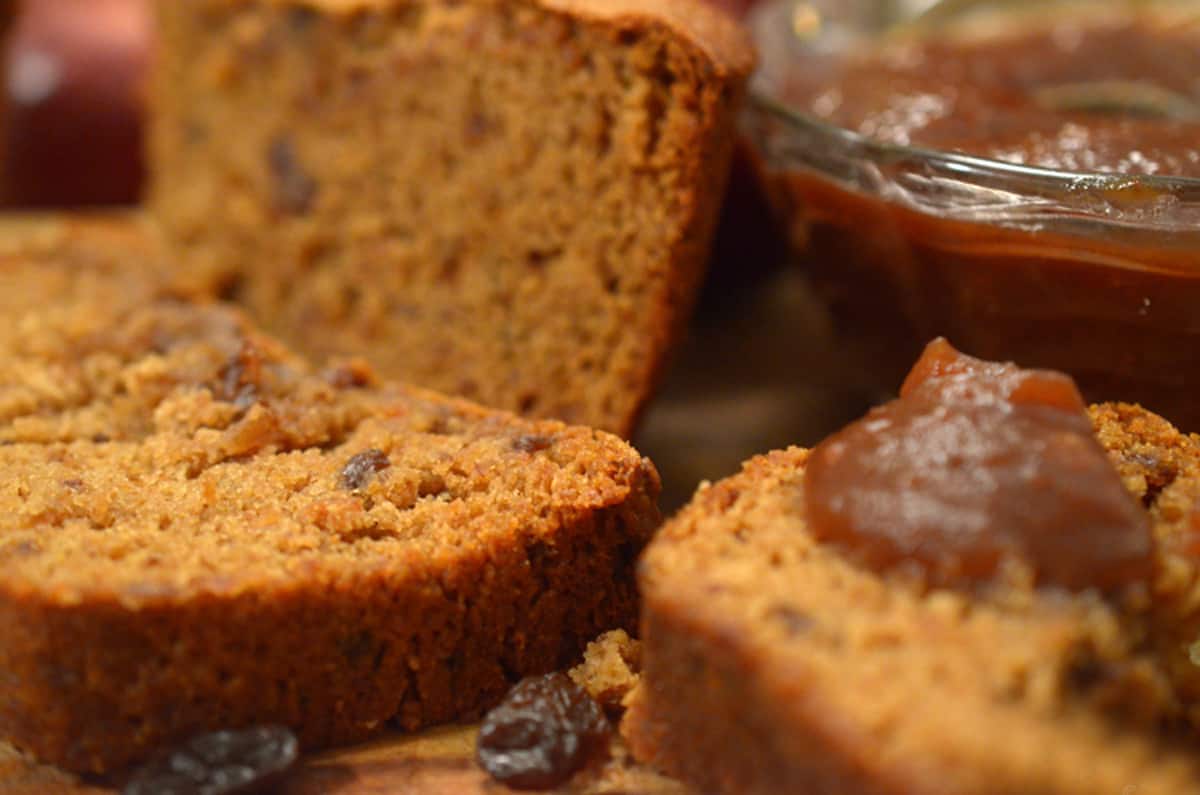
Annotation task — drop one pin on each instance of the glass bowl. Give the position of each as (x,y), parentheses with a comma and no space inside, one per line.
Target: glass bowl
(1094,274)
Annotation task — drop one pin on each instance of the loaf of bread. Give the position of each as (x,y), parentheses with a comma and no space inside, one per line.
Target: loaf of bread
(776,660)
(508,200)
(198,532)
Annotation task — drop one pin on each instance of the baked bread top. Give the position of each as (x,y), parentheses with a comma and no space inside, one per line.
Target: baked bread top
(726,44)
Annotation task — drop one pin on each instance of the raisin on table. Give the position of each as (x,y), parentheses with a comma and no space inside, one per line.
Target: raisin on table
(219,763)
(545,730)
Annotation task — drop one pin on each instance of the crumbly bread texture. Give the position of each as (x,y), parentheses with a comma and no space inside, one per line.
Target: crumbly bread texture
(197,532)
(610,669)
(772,663)
(95,256)
(508,200)
(1161,467)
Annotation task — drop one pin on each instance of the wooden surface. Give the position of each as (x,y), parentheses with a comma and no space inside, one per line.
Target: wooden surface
(438,762)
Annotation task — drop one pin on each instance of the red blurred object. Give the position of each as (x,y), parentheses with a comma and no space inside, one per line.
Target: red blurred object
(71,117)
(73,71)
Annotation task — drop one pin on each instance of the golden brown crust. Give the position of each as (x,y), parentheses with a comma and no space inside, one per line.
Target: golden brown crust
(725,43)
(93,686)
(707,171)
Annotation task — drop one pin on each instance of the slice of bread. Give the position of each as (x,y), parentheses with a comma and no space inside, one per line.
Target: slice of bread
(508,200)
(774,662)
(197,532)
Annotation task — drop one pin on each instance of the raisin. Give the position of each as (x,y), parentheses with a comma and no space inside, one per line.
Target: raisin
(793,621)
(294,190)
(532,443)
(302,20)
(240,376)
(350,375)
(361,467)
(219,763)
(545,730)
(21,549)
(477,128)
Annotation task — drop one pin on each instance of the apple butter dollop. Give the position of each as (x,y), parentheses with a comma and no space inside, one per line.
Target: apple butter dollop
(978,463)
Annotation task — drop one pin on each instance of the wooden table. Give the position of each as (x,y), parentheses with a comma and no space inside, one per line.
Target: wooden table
(438,762)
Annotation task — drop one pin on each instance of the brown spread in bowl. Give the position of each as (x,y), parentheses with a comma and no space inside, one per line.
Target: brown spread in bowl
(1115,95)
(1027,184)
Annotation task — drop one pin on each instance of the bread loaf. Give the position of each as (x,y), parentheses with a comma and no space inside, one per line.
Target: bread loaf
(509,200)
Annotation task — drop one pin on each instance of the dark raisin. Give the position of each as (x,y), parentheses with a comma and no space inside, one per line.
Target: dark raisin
(294,189)
(532,443)
(301,19)
(360,468)
(794,622)
(545,730)
(219,763)
(357,646)
(477,128)
(240,376)
(21,549)
(350,375)
(1084,673)
(73,484)
(538,260)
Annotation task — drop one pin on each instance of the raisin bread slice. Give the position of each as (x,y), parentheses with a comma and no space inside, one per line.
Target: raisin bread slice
(774,661)
(196,531)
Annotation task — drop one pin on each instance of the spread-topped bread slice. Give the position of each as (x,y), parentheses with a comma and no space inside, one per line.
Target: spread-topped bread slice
(780,658)
(196,532)
(508,200)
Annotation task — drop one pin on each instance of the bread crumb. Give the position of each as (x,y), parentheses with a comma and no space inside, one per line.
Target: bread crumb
(611,667)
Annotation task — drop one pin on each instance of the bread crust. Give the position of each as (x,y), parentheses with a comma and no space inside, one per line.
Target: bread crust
(97,684)
(724,42)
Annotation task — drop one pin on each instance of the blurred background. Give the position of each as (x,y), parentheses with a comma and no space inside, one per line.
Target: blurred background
(72,107)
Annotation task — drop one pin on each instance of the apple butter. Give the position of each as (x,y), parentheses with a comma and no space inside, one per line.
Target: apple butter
(1067,92)
(1028,188)
(975,464)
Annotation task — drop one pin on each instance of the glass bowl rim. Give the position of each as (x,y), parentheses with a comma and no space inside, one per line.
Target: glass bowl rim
(761,100)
